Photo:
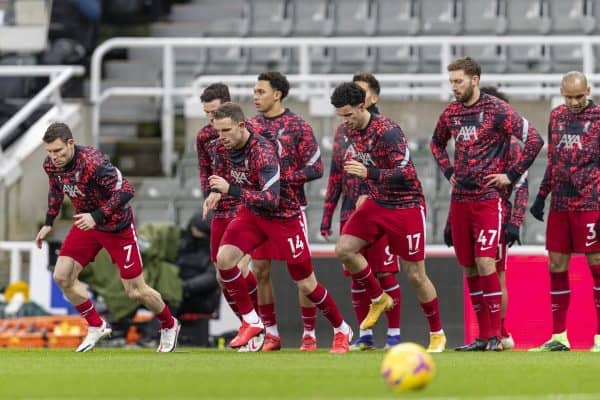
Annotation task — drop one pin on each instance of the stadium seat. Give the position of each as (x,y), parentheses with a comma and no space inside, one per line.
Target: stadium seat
(398,17)
(441,17)
(270,17)
(566,58)
(398,59)
(492,58)
(313,17)
(528,17)
(484,17)
(532,58)
(352,59)
(571,17)
(355,17)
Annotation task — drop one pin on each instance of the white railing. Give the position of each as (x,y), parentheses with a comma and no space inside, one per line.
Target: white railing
(58,75)
(394,84)
(40,278)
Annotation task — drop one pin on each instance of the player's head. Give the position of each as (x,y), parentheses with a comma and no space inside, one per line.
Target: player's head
(464,78)
(493,91)
(59,144)
(270,89)
(575,90)
(370,85)
(213,96)
(349,102)
(229,122)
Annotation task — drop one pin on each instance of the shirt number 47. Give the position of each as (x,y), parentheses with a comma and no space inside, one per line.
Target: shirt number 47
(487,241)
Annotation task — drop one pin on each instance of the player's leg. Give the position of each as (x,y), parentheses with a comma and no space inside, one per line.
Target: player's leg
(362,228)
(594,263)
(266,303)
(78,249)
(309,321)
(506,338)
(559,242)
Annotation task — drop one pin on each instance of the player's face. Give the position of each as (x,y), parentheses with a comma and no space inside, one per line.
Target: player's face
(370,97)
(265,97)
(354,117)
(60,153)
(576,94)
(230,133)
(210,107)
(462,85)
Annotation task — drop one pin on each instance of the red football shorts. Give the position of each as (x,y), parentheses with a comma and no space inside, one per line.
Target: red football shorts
(378,255)
(573,232)
(83,246)
(404,228)
(476,228)
(270,251)
(217,229)
(248,231)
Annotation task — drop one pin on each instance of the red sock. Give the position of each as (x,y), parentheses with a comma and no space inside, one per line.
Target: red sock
(267,314)
(235,284)
(323,300)
(492,297)
(360,301)
(503,330)
(231,303)
(309,317)
(596,275)
(165,318)
(251,284)
(560,295)
(481,312)
(88,311)
(366,279)
(389,284)
(431,309)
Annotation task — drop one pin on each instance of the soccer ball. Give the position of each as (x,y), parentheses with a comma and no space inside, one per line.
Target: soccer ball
(407,366)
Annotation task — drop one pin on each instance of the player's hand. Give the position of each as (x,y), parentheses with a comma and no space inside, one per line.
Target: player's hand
(448,237)
(511,235)
(218,183)
(210,203)
(498,180)
(537,209)
(44,231)
(326,233)
(354,167)
(84,221)
(361,199)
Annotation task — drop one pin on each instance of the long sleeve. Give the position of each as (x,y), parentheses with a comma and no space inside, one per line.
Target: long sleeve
(334,183)
(398,152)
(438,143)
(109,177)
(520,127)
(310,158)
(55,199)
(204,165)
(521,190)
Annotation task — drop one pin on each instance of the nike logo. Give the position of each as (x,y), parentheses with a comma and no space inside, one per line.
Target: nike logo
(412,253)
(127,266)
(388,262)
(587,244)
(297,255)
(486,248)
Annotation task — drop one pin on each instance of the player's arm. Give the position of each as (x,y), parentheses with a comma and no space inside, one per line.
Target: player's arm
(55,199)
(310,156)
(396,149)
(334,183)
(204,164)
(438,143)
(109,177)
(515,125)
(521,190)
(267,163)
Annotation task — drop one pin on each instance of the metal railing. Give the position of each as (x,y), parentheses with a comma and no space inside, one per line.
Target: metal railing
(394,84)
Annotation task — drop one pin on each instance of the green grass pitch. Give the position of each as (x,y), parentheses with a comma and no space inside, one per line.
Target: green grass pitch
(223,374)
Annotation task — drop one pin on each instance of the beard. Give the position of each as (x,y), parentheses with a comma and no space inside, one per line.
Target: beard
(466,96)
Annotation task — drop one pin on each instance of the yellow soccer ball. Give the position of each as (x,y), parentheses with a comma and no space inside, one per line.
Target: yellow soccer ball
(407,366)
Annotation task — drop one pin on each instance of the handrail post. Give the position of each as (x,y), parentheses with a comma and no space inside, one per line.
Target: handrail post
(167,125)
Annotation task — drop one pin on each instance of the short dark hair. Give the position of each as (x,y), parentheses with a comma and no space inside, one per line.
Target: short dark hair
(277,80)
(57,130)
(493,91)
(230,110)
(216,91)
(348,93)
(369,79)
(467,64)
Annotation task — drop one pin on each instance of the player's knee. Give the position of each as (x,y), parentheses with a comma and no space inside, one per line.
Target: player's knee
(63,280)
(261,272)
(135,294)
(307,285)
(343,250)
(224,259)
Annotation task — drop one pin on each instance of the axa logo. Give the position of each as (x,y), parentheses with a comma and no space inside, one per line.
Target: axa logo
(239,177)
(467,133)
(72,190)
(569,141)
(364,158)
